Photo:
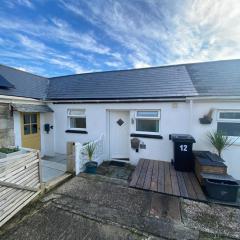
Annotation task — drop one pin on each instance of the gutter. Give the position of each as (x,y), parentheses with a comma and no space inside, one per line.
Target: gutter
(116,100)
(228,98)
(13,99)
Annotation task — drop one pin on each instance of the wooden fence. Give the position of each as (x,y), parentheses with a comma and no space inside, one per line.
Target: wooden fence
(20,183)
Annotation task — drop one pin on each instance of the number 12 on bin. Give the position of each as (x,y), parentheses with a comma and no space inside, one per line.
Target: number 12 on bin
(183,148)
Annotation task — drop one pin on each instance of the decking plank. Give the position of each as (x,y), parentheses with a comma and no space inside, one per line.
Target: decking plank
(143,172)
(199,192)
(167,180)
(136,173)
(174,180)
(161,176)
(154,183)
(181,184)
(191,192)
(148,178)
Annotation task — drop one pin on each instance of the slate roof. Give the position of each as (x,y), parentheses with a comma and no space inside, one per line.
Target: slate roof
(31,108)
(25,84)
(139,83)
(218,78)
(4,83)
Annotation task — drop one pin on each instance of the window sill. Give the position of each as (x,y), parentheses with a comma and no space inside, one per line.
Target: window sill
(143,135)
(76,131)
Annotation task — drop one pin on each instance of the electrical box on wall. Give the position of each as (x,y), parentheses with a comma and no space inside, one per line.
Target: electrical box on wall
(142,145)
(47,127)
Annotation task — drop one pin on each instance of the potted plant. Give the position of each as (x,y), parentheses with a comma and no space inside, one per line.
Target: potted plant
(91,166)
(219,141)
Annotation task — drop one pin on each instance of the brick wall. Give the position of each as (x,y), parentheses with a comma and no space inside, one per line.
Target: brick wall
(6,126)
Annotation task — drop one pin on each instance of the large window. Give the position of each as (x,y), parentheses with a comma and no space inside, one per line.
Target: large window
(229,123)
(147,121)
(76,119)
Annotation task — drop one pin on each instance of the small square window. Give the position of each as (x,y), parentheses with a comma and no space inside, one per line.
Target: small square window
(34,128)
(77,122)
(27,129)
(147,125)
(229,123)
(147,121)
(26,118)
(77,119)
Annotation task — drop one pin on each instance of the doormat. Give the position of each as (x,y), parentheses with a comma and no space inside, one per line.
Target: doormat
(118,164)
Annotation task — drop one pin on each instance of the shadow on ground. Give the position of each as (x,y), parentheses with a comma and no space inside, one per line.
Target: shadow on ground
(100,207)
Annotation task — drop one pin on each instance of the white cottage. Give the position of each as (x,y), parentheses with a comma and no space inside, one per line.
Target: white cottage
(148,103)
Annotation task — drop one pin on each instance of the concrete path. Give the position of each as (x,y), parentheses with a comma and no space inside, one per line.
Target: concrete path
(96,207)
(53,167)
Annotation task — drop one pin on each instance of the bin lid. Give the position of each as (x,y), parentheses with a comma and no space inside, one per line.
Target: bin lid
(182,138)
(209,159)
(217,176)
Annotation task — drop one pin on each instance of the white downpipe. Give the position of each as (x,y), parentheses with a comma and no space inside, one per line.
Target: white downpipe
(190,115)
(78,147)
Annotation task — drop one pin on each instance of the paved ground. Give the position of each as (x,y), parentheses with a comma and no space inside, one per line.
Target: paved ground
(97,207)
(53,167)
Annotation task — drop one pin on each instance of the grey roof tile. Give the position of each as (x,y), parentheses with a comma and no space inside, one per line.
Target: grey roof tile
(25,84)
(219,78)
(139,83)
(4,83)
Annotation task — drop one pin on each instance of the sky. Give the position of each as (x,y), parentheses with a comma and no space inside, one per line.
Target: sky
(53,38)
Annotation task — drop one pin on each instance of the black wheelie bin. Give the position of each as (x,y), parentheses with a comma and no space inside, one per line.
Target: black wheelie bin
(183,155)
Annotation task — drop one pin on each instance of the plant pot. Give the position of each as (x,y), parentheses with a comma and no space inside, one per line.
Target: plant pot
(91,167)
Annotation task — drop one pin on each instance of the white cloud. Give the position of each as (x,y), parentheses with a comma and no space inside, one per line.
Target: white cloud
(32,44)
(124,34)
(159,32)
(26,3)
(15,3)
(139,64)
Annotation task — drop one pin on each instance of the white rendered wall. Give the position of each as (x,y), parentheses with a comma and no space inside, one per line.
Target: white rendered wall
(17,129)
(174,119)
(200,131)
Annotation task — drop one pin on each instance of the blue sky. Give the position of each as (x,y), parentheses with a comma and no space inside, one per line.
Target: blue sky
(52,38)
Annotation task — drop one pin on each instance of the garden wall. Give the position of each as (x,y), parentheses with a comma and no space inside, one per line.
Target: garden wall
(6,126)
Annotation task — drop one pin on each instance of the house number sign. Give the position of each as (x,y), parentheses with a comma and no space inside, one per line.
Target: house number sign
(183,148)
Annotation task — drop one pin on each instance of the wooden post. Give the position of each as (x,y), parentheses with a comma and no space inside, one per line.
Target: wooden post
(71,157)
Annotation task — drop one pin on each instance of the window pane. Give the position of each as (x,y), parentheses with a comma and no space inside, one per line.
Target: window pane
(26,129)
(147,113)
(230,115)
(26,118)
(147,125)
(77,122)
(76,112)
(229,129)
(34,118)
(34,128)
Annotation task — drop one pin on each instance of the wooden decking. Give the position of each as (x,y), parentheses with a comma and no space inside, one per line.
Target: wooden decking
(161,177)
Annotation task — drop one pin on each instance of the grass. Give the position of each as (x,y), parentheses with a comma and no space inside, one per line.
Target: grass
(8,150)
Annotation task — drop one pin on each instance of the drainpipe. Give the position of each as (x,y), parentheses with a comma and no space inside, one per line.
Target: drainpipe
(190,115)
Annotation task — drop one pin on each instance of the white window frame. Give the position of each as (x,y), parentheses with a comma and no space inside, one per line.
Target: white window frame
(148,118)
(228,120)
(69,116)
